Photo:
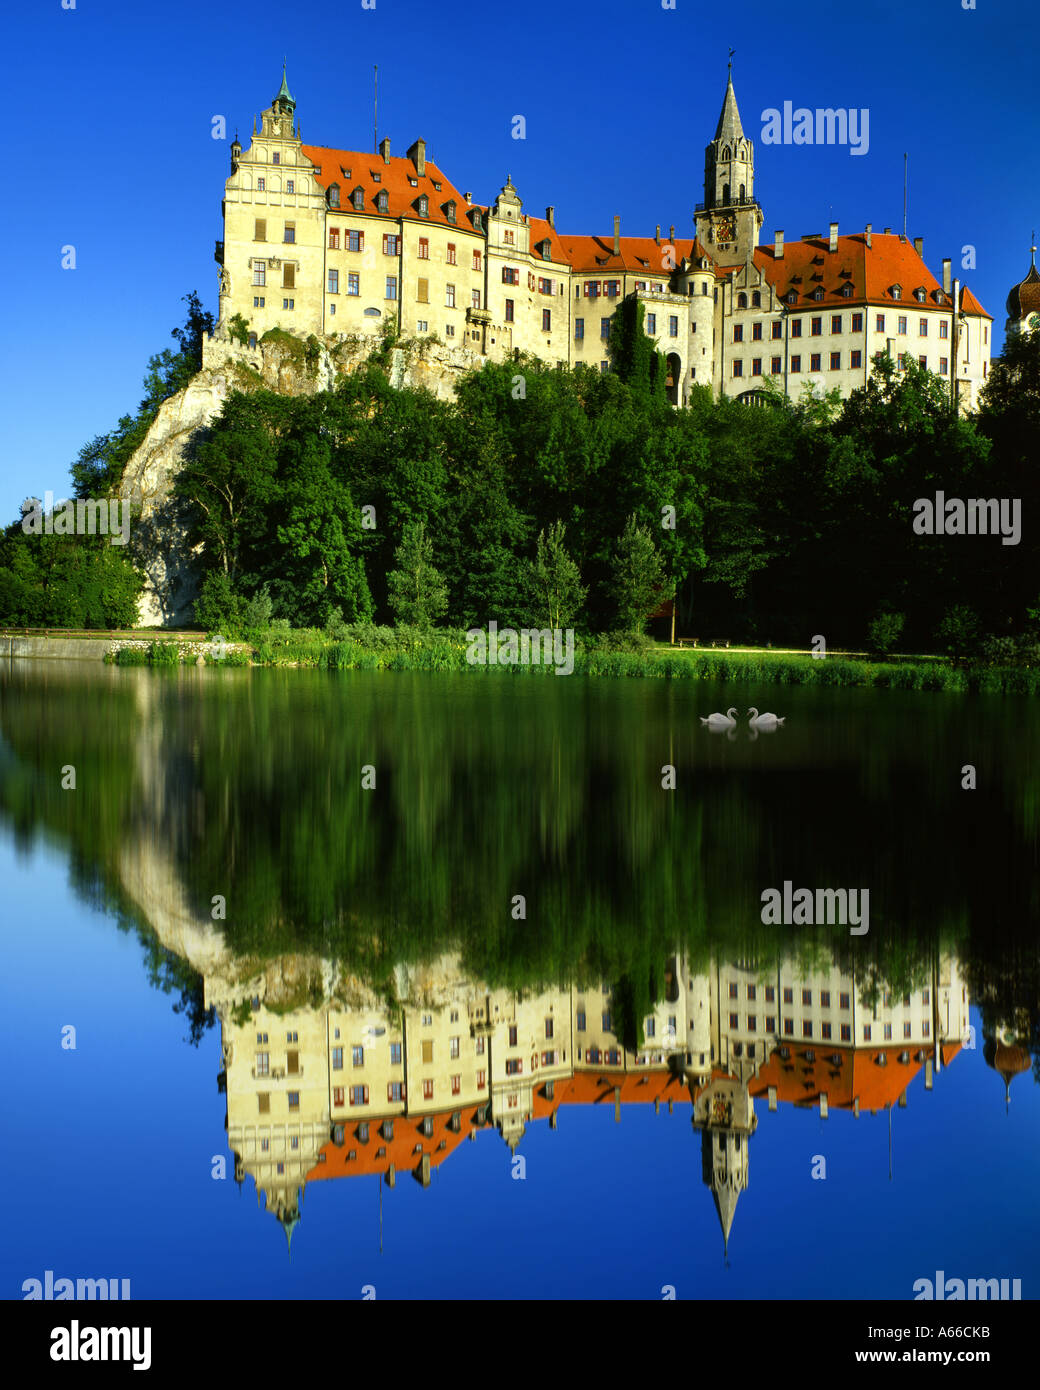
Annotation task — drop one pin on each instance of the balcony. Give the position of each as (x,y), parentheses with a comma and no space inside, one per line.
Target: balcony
(478,315)
(218,252)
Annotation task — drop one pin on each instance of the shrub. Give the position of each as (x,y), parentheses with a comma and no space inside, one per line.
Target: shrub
(885,631)
(256,612)
(999,651)
(958,632)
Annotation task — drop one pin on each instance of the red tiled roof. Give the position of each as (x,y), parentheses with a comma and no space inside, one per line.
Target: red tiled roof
(859,1076)
(331,166)
(639,255)
(872,271)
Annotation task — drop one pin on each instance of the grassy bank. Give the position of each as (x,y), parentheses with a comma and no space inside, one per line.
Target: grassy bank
(405,649)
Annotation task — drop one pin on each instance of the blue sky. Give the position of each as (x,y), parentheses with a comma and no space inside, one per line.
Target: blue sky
(114,104)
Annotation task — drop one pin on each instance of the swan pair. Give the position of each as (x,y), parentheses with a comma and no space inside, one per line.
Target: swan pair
(755,721)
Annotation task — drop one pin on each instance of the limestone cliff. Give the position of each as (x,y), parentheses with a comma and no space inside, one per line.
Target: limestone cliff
(280,363)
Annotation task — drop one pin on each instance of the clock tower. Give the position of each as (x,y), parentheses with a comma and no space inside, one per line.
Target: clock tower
(729,219)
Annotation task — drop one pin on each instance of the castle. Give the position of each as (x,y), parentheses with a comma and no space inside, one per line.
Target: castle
(338,243)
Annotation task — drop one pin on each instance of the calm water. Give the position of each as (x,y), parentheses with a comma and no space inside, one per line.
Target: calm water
(459,986)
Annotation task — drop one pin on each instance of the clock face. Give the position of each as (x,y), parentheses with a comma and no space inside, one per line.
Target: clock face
(724,230)
(1033,320)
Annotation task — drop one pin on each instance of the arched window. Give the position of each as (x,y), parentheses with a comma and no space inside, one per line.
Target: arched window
(725,152)
(756,300)
(741,301)
(742,195)
(725,193)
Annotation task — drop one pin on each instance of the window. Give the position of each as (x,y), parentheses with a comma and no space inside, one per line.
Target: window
(733,989)
(509,311)
(424,248)
(424,205)
(944,366)
(294,1100)
(879,323)
(807,998)
(290,187)
(775,366)
(263,1064)
(613,288)
(866,1032)
(922,328)
(395,1091)
(427,1050)
(358,199)
(741,301)
(355,240)
(796,328)
(788,995)
(391,245)
(835,323)
(337,1059)
(651,1028)
(796,363)
(944,328)
(333,238)
(544,286)
(359,1095)
(391,287)
(260,185)
(816,327)
(507,237)
(264,1102)
(259,272)
(476,260)
(449,296)
(606,1022)
(770,1023)
(288,303)
(835,361)
(888,1032)
(514,1066)
(290,232)
(789,1027)
(382,200)
(276,158)
(478,1046)
(422,293)
(817,294)
(923,361)
(856,359)
(481,1080)
(902,323)
(756,366)
(338,1095)
(756,298)
(756,332)
(353,283)
(604,328)
(449,255)
(333,282)
(580,1020)
(512,1035)
(815,362)
(546,320)
(738,332)
(925,1028)
(673,326)
(422,326)
(604,367)
(252,336)
(357,1056)
(260,229)
(651,323)
(288,276)
(453,1047)
(510,275)
(475,299)
(395,1054)
(738,369)
(857,323)
(806,1028)
(456,1085)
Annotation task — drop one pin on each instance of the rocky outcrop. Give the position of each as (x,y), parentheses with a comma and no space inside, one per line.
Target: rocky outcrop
(279,362)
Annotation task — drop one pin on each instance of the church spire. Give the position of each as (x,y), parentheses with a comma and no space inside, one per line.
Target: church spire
(284,97)
(729,126)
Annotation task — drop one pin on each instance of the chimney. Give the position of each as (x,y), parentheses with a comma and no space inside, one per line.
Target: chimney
(888,231)
(418,156)
(778,246)
(671,234)
(550,217)
(870,234)
(946,274)
(919,246)
(468,197)
(834,236)
(657,234)
(617,236)
(384,149)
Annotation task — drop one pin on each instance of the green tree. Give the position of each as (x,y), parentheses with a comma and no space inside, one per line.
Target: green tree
(418,593)
(639,577)
(556,579)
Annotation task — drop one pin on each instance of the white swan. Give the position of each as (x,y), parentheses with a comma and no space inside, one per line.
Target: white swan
(763,721)
(721,721)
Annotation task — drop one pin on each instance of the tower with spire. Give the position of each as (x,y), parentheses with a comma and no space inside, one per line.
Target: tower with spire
(729,219)
(1023,303)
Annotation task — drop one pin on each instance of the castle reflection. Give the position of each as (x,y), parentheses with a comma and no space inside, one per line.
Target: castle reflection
(391,1084)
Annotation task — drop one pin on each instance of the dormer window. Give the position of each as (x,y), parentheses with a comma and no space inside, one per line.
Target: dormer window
(376,177)
(382,200)
(791,297)
(847,291)
(478,221)
(359,199)
(449,210)
(817,293)
(546,250)
(424,205)
(896,291)
(437,187)
(919,295)
(413,182)
(334,195)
